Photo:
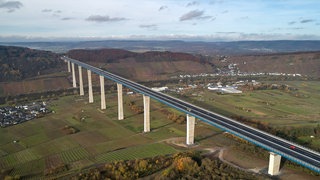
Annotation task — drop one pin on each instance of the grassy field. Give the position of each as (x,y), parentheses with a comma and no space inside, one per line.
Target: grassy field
(42,143)
(276,107)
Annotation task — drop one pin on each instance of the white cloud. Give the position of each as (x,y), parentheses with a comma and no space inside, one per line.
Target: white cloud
(195,14)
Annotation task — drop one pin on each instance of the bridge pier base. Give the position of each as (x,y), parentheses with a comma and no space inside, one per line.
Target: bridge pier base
(80,81)
(190,129)
(103,96)
(74,83)
(146,105)
(120,102)
(69,70)
(274,164)
(90,86)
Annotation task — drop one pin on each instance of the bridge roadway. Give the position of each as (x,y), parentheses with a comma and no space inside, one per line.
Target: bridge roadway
(301,155)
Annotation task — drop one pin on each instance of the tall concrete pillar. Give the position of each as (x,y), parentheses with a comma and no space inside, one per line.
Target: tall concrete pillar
(103,96)
(190,129)
(274,164)
(90,86)
(69,69)
(146,105)
(120,102)
(74,83)
(80,81)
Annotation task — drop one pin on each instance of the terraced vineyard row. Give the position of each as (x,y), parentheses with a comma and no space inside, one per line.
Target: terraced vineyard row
(136,152)
(74,155)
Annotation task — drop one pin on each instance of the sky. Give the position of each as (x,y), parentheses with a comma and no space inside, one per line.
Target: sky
(202,20)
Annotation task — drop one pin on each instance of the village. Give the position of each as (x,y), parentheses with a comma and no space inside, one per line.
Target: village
(12,115)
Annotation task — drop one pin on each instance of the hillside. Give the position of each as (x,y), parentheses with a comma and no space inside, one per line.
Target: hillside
(153,65)
(305,63)
(19,63)
(36,70)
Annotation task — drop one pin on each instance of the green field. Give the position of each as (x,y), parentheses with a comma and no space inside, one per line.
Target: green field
(275,107)
(42,143)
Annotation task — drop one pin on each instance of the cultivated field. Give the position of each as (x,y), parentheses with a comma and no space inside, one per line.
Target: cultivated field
(43,143)
(39,84)
(275,107)
(278,109)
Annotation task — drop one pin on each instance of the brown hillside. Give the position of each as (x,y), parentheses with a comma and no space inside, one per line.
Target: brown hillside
(305,63)
(146,66)
(100,55)
(17,63)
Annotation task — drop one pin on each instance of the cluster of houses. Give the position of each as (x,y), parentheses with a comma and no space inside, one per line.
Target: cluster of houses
(12,115)
(218,87)
(227,89)
(233,70)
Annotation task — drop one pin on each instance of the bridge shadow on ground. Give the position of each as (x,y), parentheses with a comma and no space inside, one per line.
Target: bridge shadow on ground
(159,127)
(201,138)
(283,161)
(136,114)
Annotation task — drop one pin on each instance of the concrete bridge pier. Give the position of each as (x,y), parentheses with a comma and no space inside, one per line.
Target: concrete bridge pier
(74,83)
(103,96)
(80,81)
(190,129)
(274,164)
(146,105)
(90,86)
(69,69)
(120,102)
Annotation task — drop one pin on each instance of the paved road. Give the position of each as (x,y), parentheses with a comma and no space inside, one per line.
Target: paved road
(300,154)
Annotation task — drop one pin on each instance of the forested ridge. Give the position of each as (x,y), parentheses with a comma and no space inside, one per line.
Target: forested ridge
(17,63)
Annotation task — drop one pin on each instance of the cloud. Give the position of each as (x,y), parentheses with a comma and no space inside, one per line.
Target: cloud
(66,18)
(46,10)
(193,3)
(163,8)
(99,18)
(306,21)
(58,11)
(195,14)
(149,26)
(224,12)
(231,32)
(292,22)
(11,6)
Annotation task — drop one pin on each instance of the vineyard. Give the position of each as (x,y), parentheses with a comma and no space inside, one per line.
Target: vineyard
(42,148)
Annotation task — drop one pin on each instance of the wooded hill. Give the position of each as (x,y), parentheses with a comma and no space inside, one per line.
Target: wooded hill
(18,63)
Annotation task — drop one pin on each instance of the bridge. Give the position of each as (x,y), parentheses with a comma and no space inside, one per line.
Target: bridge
(277,147)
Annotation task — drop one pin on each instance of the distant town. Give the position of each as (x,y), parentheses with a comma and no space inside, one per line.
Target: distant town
(12,115)
(233,70)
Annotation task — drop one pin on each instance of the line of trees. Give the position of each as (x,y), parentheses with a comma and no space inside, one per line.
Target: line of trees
(183,165)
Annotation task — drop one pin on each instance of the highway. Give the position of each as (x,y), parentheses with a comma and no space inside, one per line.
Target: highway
(301,155)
